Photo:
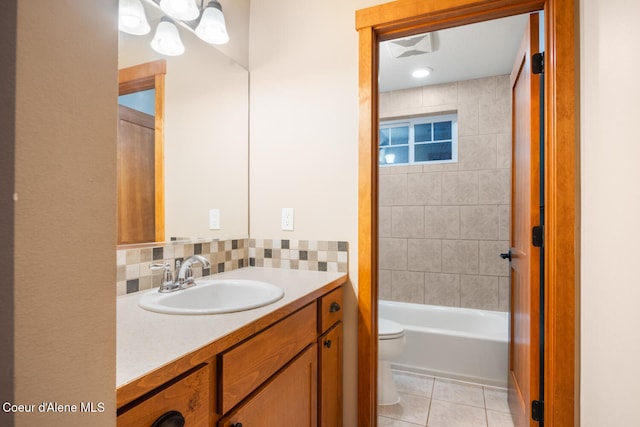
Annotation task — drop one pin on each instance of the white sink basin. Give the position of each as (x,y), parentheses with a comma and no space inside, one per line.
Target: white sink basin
(213,296)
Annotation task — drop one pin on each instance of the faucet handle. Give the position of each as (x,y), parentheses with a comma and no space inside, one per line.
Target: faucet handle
(168,284)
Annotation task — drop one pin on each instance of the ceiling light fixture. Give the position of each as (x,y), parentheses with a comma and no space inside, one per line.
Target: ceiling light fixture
(212,27)
(167,39)
(207,23)
(184,10)
(421,72)
(132,19)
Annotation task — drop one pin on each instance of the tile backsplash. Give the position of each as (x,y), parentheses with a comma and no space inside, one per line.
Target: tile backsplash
(133,262)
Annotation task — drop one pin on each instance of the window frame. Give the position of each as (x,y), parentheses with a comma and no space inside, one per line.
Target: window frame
(418,120)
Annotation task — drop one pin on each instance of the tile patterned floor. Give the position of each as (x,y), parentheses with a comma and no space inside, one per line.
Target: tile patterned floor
(441,402)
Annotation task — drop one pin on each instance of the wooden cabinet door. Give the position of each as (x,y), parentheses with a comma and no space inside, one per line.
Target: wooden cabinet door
(330,382)
(190,396)
(289,399)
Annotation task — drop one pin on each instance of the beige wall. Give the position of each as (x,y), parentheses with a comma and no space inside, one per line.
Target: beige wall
(610,177)
(63,221)
(304,134)
(443,226)
(206,136)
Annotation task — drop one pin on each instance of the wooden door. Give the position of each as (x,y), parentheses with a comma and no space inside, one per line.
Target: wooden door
(288,399)
(524,356)
(136,177)
(330,378)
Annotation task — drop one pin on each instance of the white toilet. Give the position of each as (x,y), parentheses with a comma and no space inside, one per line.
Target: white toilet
(391,342)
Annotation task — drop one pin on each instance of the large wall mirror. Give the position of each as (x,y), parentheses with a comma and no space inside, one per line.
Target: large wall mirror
(206,142)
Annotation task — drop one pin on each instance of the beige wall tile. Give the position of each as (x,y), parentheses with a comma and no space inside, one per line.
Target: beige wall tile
(400,100)
(407,286)
(424,255)
(477,152)
(477,89)
(407,221)
(384,221)
(384,284)
(442,289)
(503,292)
(479,292)
(393,190)
(494,116)
(424,189)
(460,188)
(503,144)
(489,257)
(504,222)
(393,254)
(494,187)
(479,222)
(460,256)
(442,222)
(468,119)
(503,87)
(442,94)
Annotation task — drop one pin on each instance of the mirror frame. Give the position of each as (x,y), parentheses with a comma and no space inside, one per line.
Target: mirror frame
(151,75)
(409,17)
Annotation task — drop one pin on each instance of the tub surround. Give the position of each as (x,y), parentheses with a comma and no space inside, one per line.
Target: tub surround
(442,226)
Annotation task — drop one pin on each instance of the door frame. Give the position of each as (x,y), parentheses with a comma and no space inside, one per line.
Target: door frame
(151,75)
(408,17)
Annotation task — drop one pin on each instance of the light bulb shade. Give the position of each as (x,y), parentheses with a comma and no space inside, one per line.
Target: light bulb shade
(131,18)
(167,39)
(184,10)
(212,27)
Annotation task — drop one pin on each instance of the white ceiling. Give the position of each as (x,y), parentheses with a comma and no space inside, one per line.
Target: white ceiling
(461,53)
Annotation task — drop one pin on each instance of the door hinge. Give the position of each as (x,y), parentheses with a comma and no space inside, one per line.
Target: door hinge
(537,236)
(537,63)
(537,410)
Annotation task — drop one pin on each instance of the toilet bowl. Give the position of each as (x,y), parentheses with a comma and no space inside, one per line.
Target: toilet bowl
(391,342)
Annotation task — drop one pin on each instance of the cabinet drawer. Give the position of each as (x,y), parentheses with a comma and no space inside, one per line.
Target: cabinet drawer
(249,364)
(330,309)
(189,396)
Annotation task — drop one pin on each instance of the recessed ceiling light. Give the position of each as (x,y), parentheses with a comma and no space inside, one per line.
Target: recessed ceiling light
(422,72)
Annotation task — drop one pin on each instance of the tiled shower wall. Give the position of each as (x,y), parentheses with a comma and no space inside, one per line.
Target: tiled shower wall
(133,262)
(443,226)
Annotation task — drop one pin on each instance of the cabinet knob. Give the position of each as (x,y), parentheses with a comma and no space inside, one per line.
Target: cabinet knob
(334,307)
(327,343)
(169,419)
(236,425)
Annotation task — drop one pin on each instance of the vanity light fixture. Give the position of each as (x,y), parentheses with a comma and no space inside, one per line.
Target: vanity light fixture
(167,39)
(212,28)
(184,10)
(131,18)
(421,72)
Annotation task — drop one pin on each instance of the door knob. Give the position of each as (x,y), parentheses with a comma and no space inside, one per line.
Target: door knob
(506,255)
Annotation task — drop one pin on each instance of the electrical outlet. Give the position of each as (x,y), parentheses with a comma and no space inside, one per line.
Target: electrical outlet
(214,219)
(287,219)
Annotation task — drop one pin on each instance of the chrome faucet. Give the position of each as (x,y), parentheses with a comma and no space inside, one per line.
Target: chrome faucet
(184,277)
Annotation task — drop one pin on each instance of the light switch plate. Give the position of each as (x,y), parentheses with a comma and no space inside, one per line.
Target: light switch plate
(214,219)
(287,219)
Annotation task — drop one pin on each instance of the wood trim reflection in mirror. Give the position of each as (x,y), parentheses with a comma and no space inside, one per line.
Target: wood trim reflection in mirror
(409,17)
(142,202)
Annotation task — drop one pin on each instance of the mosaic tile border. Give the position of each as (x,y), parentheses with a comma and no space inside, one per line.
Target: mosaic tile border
(133,262)
(134,274)
(315,255)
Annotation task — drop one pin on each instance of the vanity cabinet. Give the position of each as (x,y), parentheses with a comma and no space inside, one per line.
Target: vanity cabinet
(185,397)
(330,360)
(288,371)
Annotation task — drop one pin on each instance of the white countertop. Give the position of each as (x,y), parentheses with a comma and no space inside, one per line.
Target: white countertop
(145,340)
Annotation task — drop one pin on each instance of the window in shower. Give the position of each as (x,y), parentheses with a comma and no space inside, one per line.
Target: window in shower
(428,139)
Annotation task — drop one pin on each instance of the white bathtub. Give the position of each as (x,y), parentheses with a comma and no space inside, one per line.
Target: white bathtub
(461,343)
